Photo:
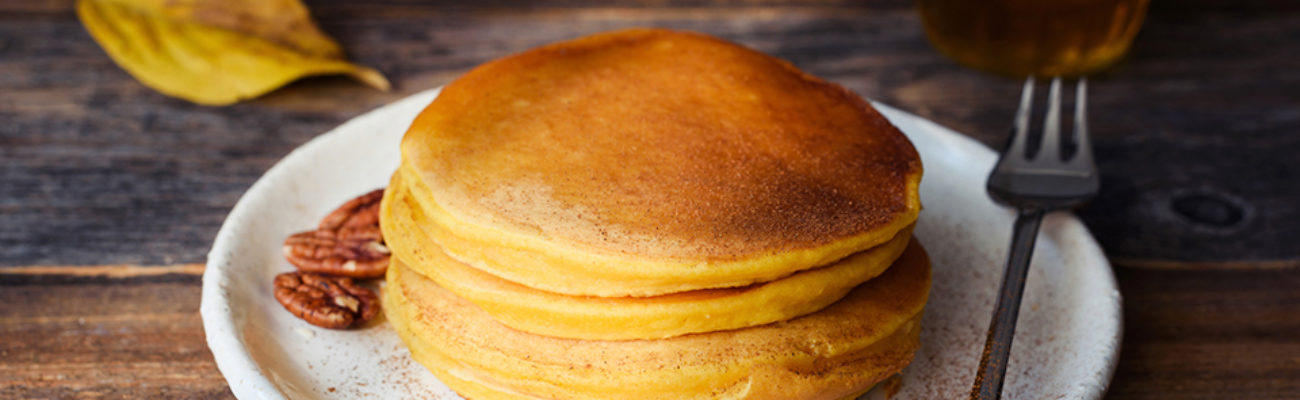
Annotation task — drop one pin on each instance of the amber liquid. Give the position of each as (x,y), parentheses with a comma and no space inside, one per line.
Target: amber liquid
(1033,37)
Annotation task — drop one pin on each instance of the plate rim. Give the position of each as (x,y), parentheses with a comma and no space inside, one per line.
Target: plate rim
(245,377)
(224,341)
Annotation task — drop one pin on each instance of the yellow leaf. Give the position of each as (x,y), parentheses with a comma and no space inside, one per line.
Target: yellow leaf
(217,52)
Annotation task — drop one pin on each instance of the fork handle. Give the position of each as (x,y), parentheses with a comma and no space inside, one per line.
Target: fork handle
(997,346)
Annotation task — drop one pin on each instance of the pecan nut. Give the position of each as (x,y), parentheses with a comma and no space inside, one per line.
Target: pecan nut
(325,301)
(361,211)
(347,243)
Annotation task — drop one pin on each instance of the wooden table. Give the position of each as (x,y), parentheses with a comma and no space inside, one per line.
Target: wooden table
(110,193)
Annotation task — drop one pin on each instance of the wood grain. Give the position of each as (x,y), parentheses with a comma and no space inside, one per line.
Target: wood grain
(1209,335)
(87,337)
(101,271)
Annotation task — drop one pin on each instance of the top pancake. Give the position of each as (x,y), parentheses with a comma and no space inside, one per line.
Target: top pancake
(658,145)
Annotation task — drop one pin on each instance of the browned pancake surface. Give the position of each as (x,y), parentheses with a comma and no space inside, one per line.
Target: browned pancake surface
(663,144)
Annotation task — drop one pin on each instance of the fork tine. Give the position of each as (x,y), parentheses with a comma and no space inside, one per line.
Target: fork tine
(1083,154)
(1051,145)
(1020,134)
(1033,186)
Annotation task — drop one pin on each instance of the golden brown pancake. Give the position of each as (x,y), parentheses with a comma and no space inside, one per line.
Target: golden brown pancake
(621,318)
(644,162)
(839,351)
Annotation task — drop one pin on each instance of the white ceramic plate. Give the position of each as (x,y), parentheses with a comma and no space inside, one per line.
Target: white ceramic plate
(1066,345)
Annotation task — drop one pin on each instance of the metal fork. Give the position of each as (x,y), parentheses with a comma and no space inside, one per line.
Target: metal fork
(1033,185)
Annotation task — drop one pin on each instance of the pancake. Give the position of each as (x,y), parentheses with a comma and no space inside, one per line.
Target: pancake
(644,162)
(621,318)
(837,352)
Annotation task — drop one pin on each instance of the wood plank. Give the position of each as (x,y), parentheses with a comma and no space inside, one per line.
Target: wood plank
(116,338)
(101,271)
(1209,335)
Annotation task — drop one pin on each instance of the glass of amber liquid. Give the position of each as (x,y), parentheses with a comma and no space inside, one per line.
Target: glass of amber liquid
(1033,37)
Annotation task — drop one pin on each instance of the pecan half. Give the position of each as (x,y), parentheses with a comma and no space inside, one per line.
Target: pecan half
(325,301)
(361,211)
(347,243)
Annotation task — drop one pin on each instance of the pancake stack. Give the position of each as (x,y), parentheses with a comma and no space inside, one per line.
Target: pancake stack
(650,214)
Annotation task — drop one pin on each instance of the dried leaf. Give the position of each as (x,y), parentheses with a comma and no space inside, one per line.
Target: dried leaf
(217,52)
